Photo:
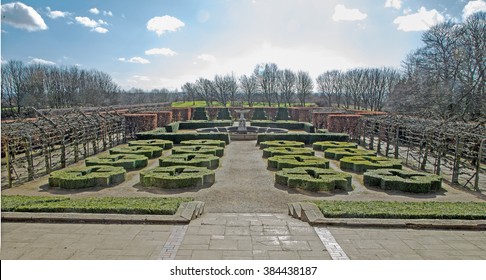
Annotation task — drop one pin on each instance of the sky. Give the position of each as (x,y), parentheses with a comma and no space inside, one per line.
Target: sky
(152,44)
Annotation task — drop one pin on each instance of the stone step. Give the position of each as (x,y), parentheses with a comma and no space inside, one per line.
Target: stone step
(295,210)
(310,212)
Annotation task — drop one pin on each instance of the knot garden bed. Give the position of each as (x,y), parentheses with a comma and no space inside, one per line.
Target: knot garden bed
(291,161)
(324,145)
(164,144)
(204,142)
(313,179)
(175,177)
(364,163)
(199,149)
(199,160)
(127,161)
(339,153)
(148,151)
(402,180)
(278,151)
(281,143)
(86,177)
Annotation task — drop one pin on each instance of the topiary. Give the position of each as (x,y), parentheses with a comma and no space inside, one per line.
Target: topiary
(224,114)
(324,145)
(200,160)
(164,144)
(313,179)
(364,163)
(276,151)
(339,153)
(281,143)
(175,177)
(204,142)
(211,150)
(407,181)
(259,114)
(200,114)
(86,177)
(148,151)
(282,114)
(291,161)
(127,161)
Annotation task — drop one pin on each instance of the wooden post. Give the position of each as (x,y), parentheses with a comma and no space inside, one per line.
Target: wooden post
(28,156)
(397,140)
(457,160)
(8,163)
(478,165)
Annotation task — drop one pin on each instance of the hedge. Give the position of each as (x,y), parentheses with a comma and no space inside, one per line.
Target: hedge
(278,151)
(164,144)
(259,114)
(204,142)
(148,151)
(324,145)
(290,125)
(282,114)
(339,153)
(270,144)
(203,124)
(176,138)
(307,138)
(86,177)
(172,127)
(199,149)
(175,177)
(10,203)
(402,180)
(224,114)
(291,161)
(200,114)
(362,164)
(313,179)
(127,161)
(200,160)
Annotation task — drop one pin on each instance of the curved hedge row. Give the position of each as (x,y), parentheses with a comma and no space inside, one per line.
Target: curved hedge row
(175,177)
(177,138)
(313,179)
(280,151)
(403,180)
(126,161)
(324,145)
(339,153)
(281,162)
(362,164)
(199,149)
(86,177)
(164,144)
(199,160)
(281,143)
(148,151)
(204,142)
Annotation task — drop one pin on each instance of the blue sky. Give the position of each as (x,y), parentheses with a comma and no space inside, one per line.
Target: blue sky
(154,43)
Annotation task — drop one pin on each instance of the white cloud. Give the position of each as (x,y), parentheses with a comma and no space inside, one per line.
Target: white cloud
(22,16)
(473,7)
(419,21)
(160,51)
(99,30)
(135,59)
(107,13)
(94,11)
(102,22)
(86,21)
(396,4)
(343,13)
(56,14)
(206,57)
(41,61)
(160,25)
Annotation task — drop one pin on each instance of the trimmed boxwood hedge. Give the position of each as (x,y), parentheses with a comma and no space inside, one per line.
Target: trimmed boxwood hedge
(324,145)
(172,127)
(199,149)
(126,161)
(307,138)
(259,114)
(339,153)
(86,177)
(148,151)
(402,180)
(10,203)
(280,151)
(204,142)
(200,160)
(204,124)
(200,114)
(290,125)
(176,138)
(281,162)
(224,114)
(361,164)
(164,144)
(313,179)
(270,144)
(175,177)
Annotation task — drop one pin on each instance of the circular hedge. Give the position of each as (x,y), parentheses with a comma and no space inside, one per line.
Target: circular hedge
(87,177)
(324,145)
(199,149)
(339,153)
(175,177)
(126,161)
(164,144)
(200,160)
(361,164)
(281,151)
(204,142)
(291,161)
(281,143)
(148,151)
(313,179)
(402,180)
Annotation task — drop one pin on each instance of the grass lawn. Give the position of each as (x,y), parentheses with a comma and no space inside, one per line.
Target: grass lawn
(113,205)
(402,210)
(217,104)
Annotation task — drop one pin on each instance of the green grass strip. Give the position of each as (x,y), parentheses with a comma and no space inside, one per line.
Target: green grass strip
(402,210)
(111,205)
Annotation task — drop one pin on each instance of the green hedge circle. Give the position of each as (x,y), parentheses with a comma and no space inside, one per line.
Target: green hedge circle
(175,177)
(291,161)
(280,151)
(127,161)
(362,164)
(402,180)
(164,144)
(148,151)
(281,143)
(200,160)
(313,179)
(324,145)
(87,177)
(204,142)
(339,153)
(199,149)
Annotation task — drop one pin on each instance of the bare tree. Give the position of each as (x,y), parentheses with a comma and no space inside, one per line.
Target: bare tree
(304,86)
(286,85)
(249,86)
(190,91)
(268,82)
(205,90)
